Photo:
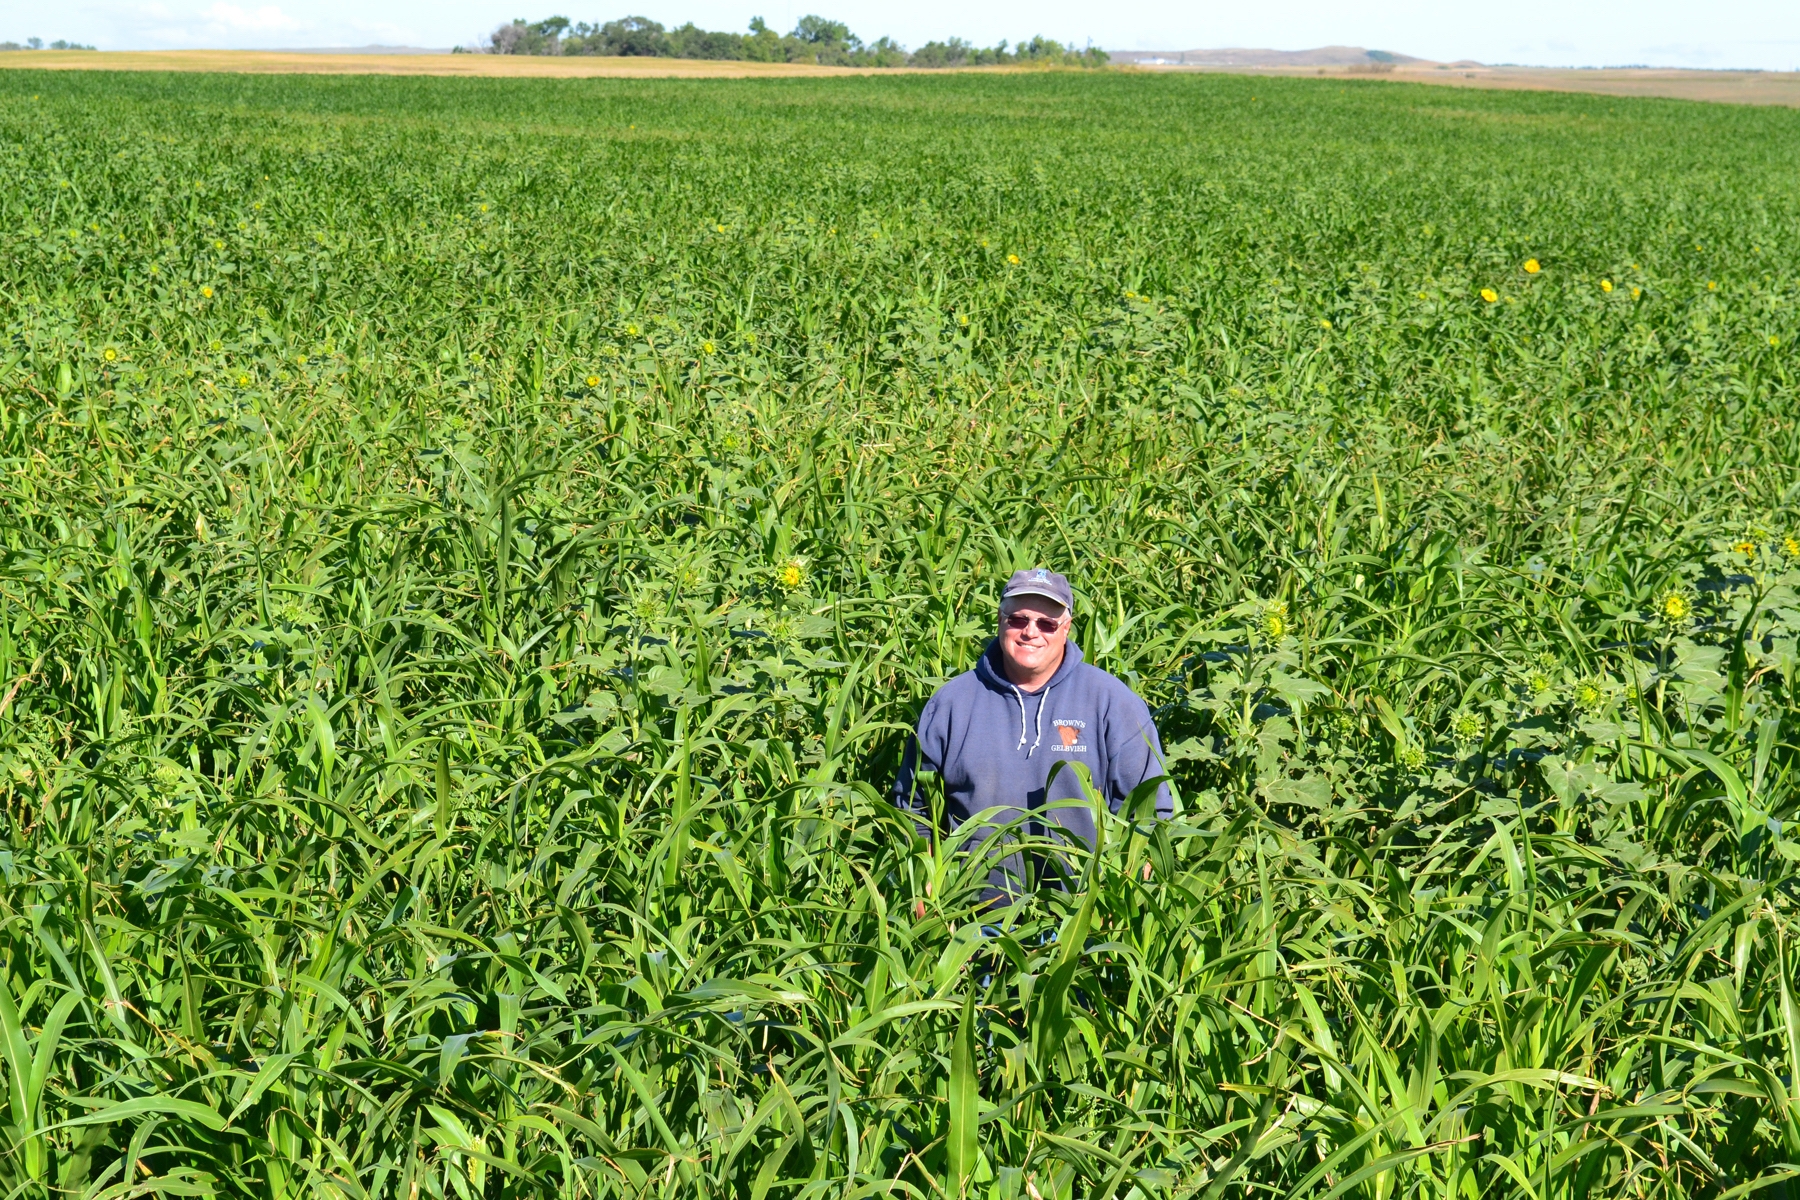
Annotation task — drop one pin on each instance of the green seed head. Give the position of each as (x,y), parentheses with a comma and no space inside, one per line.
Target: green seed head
(1675,608)
(1275,619)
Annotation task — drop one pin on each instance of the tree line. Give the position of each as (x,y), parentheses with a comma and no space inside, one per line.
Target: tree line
(36,43)
(814,39)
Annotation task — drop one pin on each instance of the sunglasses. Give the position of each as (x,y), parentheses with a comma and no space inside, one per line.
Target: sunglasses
(1044,624)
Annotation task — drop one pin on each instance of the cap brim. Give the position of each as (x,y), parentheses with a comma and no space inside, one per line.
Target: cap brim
(1028,591)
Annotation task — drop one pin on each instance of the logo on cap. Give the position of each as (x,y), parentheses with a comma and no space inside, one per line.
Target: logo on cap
(1042,576)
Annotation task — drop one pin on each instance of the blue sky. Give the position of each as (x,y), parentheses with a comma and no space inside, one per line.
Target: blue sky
(1689,33)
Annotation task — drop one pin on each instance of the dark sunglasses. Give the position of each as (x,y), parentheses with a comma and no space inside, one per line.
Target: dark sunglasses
(1044,624)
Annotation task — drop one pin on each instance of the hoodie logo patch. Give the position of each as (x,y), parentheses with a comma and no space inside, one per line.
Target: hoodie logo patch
(1070,733)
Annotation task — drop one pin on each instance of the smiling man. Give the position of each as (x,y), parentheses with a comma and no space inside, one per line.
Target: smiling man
(995,733)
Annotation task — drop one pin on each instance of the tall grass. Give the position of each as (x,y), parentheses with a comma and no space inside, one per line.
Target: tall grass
(473,551)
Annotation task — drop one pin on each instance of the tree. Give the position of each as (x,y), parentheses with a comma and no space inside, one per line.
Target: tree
(522,37)
(763,44)
(822,31)
(634,37)
(691,41)
(952,53)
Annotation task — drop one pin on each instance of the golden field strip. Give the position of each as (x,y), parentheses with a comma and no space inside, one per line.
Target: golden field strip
(274,62)
(1732,87)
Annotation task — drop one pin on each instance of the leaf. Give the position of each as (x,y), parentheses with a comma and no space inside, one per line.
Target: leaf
(271,1070)
(964,1103)
(1309,791)
(140,1106)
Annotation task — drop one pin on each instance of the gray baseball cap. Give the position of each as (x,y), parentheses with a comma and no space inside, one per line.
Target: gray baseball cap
(1040,582)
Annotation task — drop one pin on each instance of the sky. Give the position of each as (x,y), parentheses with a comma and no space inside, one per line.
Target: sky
(1761,34)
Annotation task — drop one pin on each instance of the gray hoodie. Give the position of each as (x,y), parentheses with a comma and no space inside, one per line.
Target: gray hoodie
(994,745)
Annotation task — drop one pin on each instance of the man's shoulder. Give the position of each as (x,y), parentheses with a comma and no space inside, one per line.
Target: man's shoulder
(965,683)
(956,689)
(1107,687)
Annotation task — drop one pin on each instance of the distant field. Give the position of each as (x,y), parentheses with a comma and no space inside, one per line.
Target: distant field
(471,551)
(1735,87)
(1731,87)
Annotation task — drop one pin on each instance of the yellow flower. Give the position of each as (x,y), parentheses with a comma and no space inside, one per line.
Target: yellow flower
(1490,295)
(1324,324)
(792,574)
(1790,546)
(207,292)
(243,381)
(1747,549)
(484,208)
(1532,267)
(1013,259)
(593,381)
(1275,619)
(718,229)
(706,347)
(1711,286)
(109,354)
(218,245)
(301,359)
(1773,340)
(1606,285)
(632,330)
(1636,292)
(1675,608)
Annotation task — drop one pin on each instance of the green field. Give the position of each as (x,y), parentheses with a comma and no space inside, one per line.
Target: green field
(471,552)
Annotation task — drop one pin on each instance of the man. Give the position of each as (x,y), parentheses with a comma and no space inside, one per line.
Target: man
(994,734)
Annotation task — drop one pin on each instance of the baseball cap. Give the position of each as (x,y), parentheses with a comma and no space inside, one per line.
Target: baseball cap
(1040,582)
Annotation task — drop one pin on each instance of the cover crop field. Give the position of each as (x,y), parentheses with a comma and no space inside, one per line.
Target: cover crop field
(473,550)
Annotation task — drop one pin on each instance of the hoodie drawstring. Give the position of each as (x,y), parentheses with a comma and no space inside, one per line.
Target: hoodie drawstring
(1020,697)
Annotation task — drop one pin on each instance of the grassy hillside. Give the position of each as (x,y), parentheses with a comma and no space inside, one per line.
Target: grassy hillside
(472,550)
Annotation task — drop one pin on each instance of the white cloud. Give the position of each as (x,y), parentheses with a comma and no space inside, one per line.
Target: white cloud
(266,17)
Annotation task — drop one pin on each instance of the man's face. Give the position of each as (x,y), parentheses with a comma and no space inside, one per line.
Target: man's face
(1045,631)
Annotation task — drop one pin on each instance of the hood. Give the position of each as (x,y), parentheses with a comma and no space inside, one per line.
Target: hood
(990,672)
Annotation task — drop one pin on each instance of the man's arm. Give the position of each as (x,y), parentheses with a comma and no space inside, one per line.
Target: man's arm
(907,781)
(916,761)
(1134,754)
